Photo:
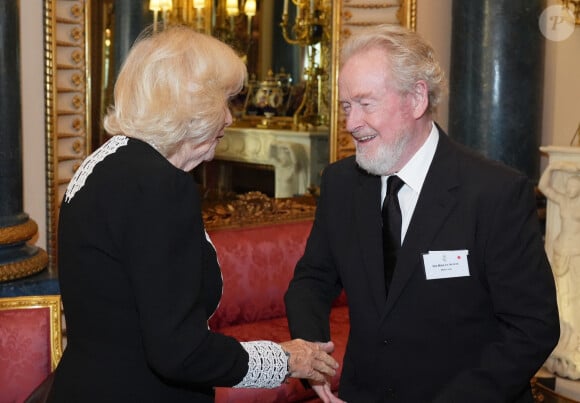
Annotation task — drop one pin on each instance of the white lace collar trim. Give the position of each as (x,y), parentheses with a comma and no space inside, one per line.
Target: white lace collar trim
(78,180)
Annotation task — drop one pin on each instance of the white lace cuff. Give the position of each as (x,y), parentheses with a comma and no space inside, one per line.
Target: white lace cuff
(268,365)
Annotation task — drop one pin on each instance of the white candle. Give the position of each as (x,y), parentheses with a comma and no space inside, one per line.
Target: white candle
(285,12)
(249,25)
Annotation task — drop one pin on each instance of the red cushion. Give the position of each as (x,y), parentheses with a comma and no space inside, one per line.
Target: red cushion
(277,330)
(24,351)
(257,265)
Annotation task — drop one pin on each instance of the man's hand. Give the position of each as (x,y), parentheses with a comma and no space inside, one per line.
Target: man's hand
(324,393)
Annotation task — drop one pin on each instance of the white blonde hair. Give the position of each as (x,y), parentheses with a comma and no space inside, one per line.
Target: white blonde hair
(409,56)
(174,85)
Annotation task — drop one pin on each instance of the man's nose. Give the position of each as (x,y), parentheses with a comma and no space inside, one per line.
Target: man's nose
(353,120)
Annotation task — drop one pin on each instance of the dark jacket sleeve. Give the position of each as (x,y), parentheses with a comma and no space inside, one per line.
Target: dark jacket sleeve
(170,273)
(316,283)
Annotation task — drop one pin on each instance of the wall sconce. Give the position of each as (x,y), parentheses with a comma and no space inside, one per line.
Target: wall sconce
(574,7)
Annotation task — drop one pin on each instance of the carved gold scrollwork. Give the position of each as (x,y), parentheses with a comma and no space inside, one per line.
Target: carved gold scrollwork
(256,208)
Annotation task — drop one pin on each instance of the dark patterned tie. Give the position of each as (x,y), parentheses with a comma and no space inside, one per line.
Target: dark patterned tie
(391,227)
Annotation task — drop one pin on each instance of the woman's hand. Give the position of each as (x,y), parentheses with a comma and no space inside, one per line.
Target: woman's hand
(310,360)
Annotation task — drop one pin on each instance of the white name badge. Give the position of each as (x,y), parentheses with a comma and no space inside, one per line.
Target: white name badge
(446,264)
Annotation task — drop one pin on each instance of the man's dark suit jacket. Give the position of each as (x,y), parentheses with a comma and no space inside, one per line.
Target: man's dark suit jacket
(478,338)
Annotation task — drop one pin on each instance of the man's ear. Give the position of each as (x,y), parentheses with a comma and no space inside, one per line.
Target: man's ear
(420,99)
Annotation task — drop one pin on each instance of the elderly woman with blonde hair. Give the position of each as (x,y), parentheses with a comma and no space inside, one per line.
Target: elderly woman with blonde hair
(138,275)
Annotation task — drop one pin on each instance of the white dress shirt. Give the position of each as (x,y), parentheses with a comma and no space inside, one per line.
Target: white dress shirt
(413,174)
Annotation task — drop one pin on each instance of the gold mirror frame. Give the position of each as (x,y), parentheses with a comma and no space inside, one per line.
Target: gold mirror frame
(67,88)
(68,96)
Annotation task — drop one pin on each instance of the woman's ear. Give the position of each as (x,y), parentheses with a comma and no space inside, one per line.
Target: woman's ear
(420,99)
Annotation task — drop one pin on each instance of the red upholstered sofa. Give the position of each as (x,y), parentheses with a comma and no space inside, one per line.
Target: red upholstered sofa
(257,264)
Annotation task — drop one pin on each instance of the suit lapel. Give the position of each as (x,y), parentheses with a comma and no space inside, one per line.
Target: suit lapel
(435,203)
(367,203)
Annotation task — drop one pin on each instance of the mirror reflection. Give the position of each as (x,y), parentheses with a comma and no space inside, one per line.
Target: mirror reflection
(278,143)
(86,40)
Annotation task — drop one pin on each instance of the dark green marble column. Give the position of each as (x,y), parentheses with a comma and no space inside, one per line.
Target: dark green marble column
(496,80)
(17,257)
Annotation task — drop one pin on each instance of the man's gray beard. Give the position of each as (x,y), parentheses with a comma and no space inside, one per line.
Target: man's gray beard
(385,158)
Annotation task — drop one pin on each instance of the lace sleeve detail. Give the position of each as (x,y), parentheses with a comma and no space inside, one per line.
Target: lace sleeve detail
(268,365)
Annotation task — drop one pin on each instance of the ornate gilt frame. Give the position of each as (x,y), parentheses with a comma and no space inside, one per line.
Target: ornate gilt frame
(68,90)
(53,303)
(67,86)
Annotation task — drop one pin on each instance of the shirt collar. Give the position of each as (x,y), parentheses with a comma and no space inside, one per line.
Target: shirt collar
(415,171)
